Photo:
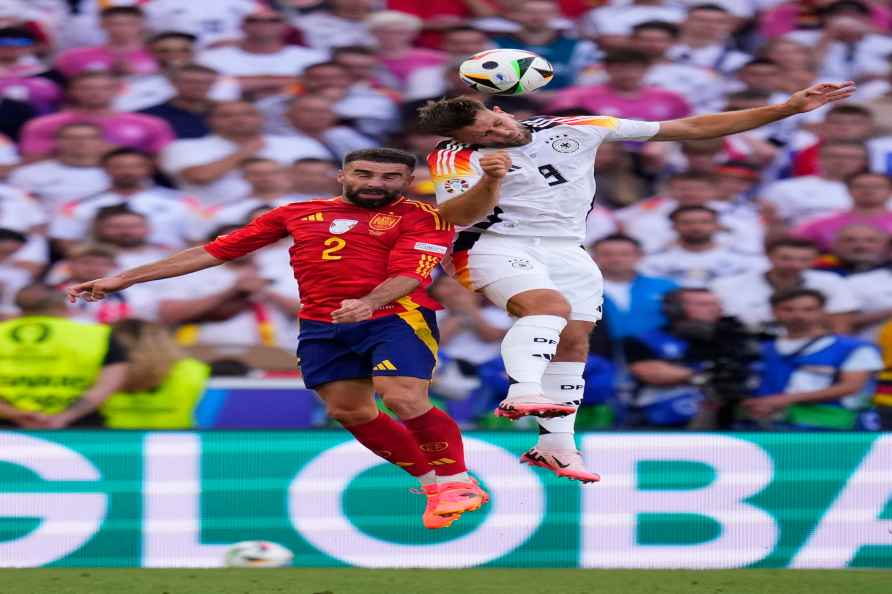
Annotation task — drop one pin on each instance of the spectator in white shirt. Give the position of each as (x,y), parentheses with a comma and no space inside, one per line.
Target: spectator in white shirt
(458,42)
(209,167)
(71,174)
(172,215)
(312,118)
(612,24)
(262,62)
(23,213)
(314,178)
(706,40)
(344,23)
(790,202)
(12,276)
(212,21)
(697,259)
(748,296)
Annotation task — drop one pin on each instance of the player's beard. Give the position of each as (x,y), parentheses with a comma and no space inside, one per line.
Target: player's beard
(385,197)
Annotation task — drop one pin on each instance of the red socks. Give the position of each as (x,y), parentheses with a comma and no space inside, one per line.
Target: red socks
(440,441)
(393,442)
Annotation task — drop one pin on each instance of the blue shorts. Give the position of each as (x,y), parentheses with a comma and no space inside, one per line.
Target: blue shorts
(403,344)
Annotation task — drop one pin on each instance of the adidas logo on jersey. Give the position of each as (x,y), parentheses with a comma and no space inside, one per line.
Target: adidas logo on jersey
(316,216)
(385,365)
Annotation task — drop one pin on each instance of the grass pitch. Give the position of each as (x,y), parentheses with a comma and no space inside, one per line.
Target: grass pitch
(420,581)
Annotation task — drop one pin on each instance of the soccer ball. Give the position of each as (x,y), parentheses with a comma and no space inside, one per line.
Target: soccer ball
(506,72)
(257,553)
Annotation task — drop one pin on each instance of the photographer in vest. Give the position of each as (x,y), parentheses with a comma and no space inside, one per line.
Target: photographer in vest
(812,379)
(55,372)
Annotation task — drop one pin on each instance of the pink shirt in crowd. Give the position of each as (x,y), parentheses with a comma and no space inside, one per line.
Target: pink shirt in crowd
(414,59)
(134,130)
(823,230)
(81,59)
(40,93)
(649,103)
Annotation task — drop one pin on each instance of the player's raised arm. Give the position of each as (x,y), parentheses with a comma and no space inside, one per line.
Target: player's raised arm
(184,262)
(731,122)
(480,199)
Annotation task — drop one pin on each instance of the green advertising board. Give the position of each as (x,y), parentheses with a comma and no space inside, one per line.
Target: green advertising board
(122,499)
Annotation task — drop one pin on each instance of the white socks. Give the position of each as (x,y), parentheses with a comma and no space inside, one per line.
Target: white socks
(527,349)
(461,477)
(428,478)
(562,382)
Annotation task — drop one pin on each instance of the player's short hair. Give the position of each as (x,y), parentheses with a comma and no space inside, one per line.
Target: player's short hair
(791,294)
(113,11)
(382,155)
(626,56)
(164,35)
(108,212)
(445,116)
(617,238)
(798,243)
(664,26)
(12,235)
(682,210)
(124,151)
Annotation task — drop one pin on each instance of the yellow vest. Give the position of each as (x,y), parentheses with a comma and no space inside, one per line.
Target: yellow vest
(169,406)
(47,363)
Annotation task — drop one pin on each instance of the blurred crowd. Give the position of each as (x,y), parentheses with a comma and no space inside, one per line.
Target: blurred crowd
(132,129)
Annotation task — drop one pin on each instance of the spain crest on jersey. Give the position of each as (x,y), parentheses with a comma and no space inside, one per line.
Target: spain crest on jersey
(384,221)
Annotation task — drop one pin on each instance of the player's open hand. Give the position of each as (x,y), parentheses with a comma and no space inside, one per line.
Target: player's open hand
(820,94)
(496,164)
(352,310)
(96,290)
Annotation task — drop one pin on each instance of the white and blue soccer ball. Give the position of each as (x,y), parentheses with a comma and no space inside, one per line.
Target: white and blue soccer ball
(506,72)
(257,553)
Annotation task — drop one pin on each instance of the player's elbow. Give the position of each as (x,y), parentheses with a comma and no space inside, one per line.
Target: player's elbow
(455,214)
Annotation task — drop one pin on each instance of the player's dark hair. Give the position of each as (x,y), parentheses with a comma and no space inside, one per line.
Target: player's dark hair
(124,152)
(108,212)
(791,294)
(617,238)
(445,116)
(681,210)
(382,155)
(113,11)
(626,56)
(798,243)
(664,26)
(12,235)
(163,35)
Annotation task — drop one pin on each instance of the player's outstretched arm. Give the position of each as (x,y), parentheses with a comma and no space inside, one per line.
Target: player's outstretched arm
(478,202)
(356,310)
(184,262)
(731,122)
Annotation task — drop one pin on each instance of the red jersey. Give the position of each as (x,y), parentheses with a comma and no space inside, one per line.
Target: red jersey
(343,251)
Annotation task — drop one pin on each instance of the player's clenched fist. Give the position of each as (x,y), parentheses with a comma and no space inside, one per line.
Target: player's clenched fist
(496,164)
(352,310)
(95,290)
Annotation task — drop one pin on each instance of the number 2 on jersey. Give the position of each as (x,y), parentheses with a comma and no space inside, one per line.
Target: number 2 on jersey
(333,245)
(552,176)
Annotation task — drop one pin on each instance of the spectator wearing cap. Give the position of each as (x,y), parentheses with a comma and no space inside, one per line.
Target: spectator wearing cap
(172,50)
(209,167)
(124,51)
(537,33)
(856,249)
(91,95)
(871,193)
(172,216)
(624,94)
(846,46)
(790,202)
(394,33)
(71,173)
(706,40)
(21,72)
(342,22)
(747,296)
(262,62)
(23,213)
(12,276)
(697,258)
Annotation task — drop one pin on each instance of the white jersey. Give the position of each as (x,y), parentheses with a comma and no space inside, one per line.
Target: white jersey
(550,187)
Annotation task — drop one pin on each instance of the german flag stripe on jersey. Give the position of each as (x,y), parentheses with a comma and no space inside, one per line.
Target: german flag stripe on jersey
(451,159)
(461,271)
(583,120)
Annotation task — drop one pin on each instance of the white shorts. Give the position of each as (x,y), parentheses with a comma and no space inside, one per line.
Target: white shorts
(502,266)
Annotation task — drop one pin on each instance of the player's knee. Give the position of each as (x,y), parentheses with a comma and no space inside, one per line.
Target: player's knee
(539,303)
(352,415)
(406,404)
